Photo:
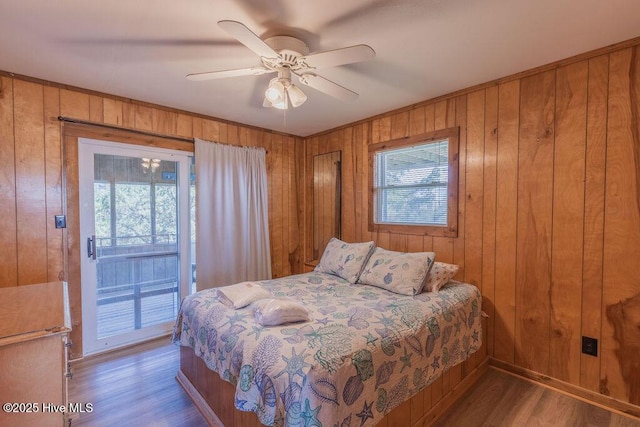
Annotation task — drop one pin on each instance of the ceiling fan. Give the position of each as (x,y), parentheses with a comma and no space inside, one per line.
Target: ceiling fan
(289,56)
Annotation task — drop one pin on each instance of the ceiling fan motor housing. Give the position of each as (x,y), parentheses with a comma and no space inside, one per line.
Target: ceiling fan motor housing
(289,48)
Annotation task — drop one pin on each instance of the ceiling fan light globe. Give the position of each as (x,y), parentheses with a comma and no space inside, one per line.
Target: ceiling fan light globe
(282,105)
(275,92)
(296,96)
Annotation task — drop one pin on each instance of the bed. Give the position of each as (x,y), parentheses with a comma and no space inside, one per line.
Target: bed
(365,350)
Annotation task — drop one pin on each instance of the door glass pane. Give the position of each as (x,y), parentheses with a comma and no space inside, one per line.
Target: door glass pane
(136,216)
(133,213)
(102,203)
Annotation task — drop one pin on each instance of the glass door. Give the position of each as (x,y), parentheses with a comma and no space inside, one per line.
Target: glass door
(135,213)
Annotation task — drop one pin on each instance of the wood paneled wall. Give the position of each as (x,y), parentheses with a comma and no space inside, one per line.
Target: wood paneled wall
(549,212)
(31,167)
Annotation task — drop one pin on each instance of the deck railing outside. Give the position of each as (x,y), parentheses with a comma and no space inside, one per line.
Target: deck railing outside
(138,283)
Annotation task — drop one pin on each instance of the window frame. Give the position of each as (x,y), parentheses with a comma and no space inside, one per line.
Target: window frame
(451,229)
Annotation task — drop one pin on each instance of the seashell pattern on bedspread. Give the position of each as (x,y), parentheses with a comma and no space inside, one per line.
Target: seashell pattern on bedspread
(364,351)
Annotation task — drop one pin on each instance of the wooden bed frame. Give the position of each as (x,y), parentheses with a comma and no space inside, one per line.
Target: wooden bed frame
(214,397)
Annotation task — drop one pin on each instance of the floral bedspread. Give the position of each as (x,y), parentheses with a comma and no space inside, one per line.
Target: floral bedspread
(365,351)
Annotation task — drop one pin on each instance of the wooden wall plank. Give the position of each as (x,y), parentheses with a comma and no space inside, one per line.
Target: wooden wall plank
(417,122)
(621,282)
(361,140)
(74,104)
(533,242)
(226,133)
(399,127)
(286,193)
(591,315)
(128,115)
(348,188)
(567,222)
(275,208)
(30,182)
(506,217)
(307,236)
(96,109)
(267,144)
(444,118)
(164,122)
(210,130)
(458,118)
(327,201)
(53,182)
(112,111)
(8,233)
(232,135)
(143,117)
(489,212)
(350,157)
(472,212)
(442,246)
(196,127)
(474,196)
(297,207)
(184,125)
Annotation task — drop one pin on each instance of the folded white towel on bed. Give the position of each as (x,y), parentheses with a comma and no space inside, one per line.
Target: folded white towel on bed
(241,294)
(277,311)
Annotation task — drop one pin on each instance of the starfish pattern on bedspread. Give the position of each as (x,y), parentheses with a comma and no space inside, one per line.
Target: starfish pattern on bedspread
(364,351)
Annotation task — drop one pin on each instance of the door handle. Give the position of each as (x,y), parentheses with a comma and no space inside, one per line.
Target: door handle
(91,247)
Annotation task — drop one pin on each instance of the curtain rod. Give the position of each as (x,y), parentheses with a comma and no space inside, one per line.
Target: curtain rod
(120,128)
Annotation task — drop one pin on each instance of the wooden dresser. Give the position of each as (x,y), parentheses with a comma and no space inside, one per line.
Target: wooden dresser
(34,327)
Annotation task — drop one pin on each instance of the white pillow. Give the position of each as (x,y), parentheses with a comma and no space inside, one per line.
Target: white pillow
(277,311)
(344,259)
(400,272)
(439,276)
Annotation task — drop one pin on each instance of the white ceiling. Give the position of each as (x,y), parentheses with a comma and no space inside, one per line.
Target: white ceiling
(142,49)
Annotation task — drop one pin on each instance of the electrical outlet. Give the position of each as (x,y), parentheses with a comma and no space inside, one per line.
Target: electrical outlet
(590,346)
(61,221)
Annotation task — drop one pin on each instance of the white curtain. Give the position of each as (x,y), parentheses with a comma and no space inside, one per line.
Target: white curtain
(232,221)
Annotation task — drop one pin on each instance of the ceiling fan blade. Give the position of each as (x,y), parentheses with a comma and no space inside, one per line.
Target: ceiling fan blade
(346,55)
(211,75)
(327,86)
(248,38)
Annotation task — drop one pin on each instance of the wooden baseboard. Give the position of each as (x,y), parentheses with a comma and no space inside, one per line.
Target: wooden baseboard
(452,397)
(199,401)
(601,400)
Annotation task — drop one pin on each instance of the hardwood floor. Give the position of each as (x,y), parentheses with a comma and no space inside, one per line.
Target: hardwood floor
(501,399)
(137,387)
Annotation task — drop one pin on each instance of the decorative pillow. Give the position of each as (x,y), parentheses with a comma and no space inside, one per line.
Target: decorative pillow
(400,272)
(439,276)
(277,311)
(344,259)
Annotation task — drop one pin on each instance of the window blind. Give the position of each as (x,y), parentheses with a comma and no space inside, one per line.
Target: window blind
(410,185)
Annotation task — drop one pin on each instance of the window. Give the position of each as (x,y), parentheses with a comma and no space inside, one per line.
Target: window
(415,184)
